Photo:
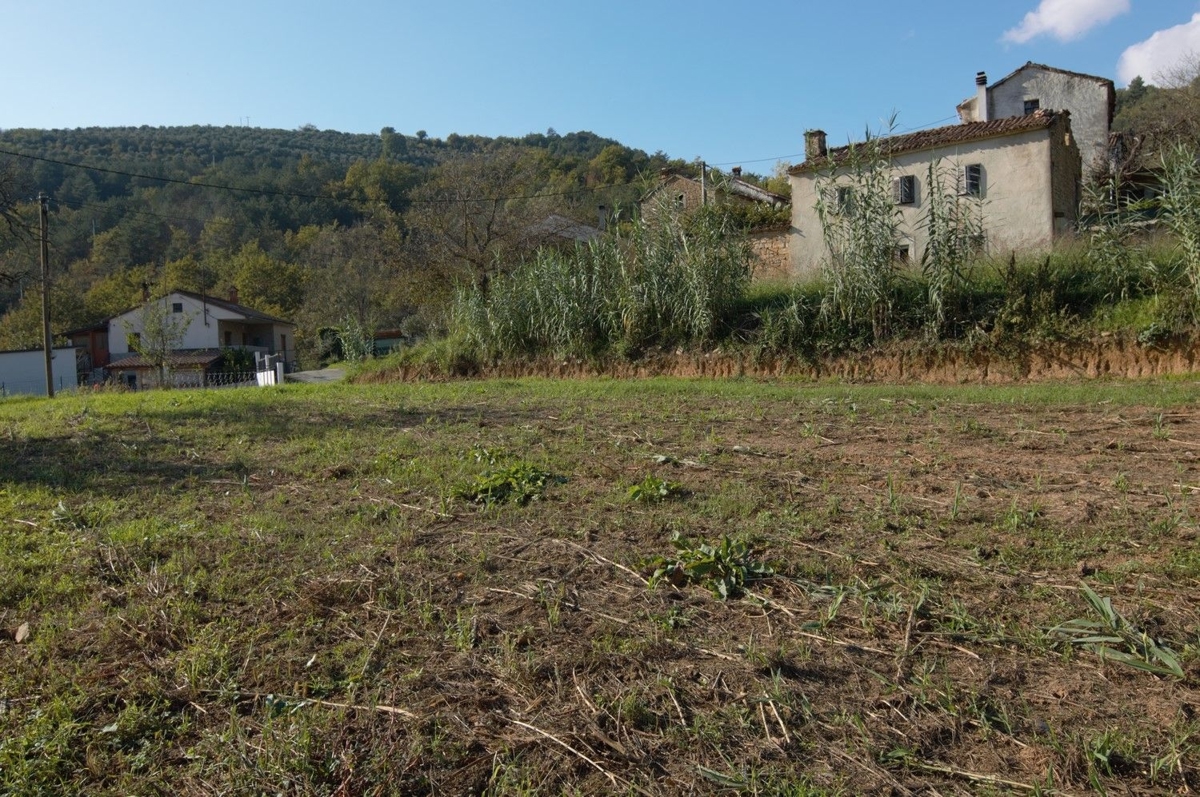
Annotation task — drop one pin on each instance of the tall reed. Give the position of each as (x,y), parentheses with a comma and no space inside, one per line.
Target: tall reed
(860,222)
(1180,204)
(670,279)
(953,227)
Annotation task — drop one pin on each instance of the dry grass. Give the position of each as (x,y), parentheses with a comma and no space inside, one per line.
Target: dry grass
(251,591)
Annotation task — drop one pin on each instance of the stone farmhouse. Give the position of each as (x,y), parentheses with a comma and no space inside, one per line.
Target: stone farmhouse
(1090,99)
(1017,155)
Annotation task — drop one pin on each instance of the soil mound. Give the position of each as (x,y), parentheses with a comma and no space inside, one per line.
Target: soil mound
(1109,356)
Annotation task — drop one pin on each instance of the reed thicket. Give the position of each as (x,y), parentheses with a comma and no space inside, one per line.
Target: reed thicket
(669,279)
(674,279)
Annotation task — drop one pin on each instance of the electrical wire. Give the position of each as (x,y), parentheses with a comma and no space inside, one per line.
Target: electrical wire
(76,204)
(778,158)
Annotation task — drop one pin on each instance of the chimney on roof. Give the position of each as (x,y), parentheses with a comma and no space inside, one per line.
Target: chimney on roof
(602,216)
(814,145)
(145,291)
(737,171)
(233,295)
(981,97)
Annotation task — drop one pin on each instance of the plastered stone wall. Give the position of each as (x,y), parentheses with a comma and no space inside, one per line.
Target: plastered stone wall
(1086,99)
(772,262)
(1017,201)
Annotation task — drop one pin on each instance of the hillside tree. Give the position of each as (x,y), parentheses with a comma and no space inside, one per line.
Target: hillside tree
(472,218)
(157,334)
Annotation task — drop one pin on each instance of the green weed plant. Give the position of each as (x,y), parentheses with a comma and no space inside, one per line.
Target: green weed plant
(725,568)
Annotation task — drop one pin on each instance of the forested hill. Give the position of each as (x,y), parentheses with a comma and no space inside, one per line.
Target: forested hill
(275,213)
(240,153)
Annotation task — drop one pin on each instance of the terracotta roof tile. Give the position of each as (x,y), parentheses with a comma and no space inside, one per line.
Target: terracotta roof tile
(940,137)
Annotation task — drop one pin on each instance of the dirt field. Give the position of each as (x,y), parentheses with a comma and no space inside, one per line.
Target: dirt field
(299,595)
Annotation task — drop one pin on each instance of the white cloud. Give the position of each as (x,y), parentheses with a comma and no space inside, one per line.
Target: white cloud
(1065,19)
(1163,51)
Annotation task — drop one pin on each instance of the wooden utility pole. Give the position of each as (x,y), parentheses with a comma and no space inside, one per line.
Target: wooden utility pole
(703,183)
(47,341)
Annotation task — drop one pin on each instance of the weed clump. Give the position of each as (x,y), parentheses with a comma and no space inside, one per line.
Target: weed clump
(653,489)
(725,568)
(518,483)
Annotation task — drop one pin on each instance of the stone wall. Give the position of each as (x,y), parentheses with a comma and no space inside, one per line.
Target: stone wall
(772,262)
(1066,177)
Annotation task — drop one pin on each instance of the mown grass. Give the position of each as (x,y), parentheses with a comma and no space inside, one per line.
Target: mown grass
(293,590)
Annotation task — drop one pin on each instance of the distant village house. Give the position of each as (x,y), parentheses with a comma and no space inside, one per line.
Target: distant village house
(209,327)
(768,243)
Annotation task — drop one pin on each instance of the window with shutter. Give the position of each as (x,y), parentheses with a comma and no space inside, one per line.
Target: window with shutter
(904,190)
(1031,106)
(971,180)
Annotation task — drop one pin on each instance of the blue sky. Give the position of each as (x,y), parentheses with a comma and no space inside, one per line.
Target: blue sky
(729,83)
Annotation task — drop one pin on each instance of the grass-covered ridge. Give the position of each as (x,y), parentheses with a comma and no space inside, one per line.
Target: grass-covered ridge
(302,590)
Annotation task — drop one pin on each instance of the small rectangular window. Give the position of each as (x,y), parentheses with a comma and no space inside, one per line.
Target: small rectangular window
(176,307)
(902,254)
(971,180)
(904,190)
(845,199)
(1031,106)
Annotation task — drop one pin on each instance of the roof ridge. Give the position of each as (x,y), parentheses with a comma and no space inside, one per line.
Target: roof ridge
(941,136)
(1061,71)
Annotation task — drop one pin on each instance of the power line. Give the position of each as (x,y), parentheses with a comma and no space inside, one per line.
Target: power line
(926,124)
(75,204)
(758,160)
(778,158)
(105,170)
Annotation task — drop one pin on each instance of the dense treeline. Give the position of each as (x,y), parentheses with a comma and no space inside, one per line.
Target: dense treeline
(327,225)
(1158,117)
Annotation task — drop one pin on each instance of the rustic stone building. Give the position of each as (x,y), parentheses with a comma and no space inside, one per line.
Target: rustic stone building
(1024,172)
(768,243)
(1090,99)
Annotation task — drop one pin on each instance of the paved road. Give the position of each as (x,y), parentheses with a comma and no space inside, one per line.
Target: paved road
(317,377)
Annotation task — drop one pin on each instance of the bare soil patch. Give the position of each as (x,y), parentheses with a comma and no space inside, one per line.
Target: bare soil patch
(1111,356)
(318,612)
